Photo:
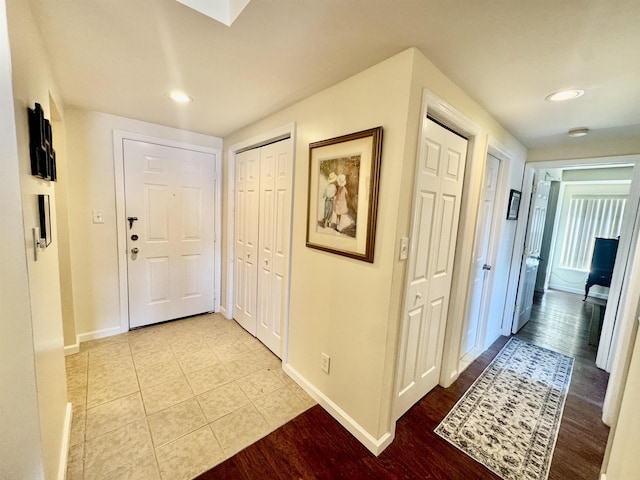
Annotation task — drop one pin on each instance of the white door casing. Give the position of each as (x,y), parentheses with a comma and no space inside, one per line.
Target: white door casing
(171,192)
(436,209)
(276,177)
(481,271)
(533,244)
(246,238)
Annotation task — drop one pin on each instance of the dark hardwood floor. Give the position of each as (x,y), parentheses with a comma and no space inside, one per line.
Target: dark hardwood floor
(561,322)
(315,446)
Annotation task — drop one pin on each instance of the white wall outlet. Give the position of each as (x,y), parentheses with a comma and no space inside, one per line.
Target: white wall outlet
(404,248)
(325,360)
(98,216)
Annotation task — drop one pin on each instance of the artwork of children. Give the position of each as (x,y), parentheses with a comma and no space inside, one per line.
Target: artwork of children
(338,180)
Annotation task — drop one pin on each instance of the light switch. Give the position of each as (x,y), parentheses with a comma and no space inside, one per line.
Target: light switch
(98,216)
(404,248)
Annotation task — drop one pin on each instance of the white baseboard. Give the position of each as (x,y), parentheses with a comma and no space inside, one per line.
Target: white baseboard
(72,349)
(374,445)
(579,291)
(225,312)
(107,332)
(66,440)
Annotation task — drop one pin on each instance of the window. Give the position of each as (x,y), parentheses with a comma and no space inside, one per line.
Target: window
(589,216)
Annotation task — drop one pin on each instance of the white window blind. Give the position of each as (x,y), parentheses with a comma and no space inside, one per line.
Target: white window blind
(589,216)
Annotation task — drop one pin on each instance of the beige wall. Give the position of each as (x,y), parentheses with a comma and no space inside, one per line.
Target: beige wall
(349,309)
(427,76)
(94,255)
(341,306)
(33,82)
(20,450)
(597,174)
(593,145)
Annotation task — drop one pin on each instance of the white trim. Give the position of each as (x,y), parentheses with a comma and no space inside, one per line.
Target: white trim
(498,150)
(435,107)
(491,254)
(518,250)
(66,440)
(71,349)
(118,161)
(217,226)
(623,339)
(96,334)
(279,133)
(374,445)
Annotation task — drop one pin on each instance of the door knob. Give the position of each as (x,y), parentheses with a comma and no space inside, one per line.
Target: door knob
(135,250)
(486,267)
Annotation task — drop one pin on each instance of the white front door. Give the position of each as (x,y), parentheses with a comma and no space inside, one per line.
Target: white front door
(531,259)
(480,269)
(262,240)
(169,197)
(436,210)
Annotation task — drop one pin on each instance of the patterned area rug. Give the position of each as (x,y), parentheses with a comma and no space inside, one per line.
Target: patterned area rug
(509,418)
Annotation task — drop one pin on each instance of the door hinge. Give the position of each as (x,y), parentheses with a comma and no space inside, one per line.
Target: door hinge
(515,308)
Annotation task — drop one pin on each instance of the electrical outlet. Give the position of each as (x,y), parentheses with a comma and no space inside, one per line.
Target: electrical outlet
(324,363)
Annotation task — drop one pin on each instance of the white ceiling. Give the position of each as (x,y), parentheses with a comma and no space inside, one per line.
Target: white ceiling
(122,56)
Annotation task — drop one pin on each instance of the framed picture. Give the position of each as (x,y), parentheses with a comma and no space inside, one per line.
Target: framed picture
(514,205)
(45,219)
(344,179)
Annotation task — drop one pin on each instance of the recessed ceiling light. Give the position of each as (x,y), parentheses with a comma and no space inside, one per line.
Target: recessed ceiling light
(578,132)
(180,97)
(564,95)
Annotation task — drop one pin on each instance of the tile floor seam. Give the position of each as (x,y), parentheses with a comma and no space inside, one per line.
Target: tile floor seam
(237,354)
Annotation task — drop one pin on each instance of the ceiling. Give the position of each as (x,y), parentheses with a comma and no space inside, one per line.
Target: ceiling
(123,56)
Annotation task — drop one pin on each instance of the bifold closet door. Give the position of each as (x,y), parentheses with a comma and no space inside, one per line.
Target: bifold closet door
(246,238)
(262,240)
(275,231)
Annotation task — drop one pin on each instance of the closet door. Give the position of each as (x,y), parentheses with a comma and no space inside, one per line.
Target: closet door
(275,231)
(246,238)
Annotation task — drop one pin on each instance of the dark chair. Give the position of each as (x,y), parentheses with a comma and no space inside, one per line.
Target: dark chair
(604,256)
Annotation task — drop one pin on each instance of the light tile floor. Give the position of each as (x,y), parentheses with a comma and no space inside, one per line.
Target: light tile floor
(171,401)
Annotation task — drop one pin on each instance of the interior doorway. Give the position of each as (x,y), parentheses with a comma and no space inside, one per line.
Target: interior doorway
(581,206)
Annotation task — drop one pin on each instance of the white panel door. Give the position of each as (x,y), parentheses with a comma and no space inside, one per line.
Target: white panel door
(480,269)
(169,196)
(275,229)
(434,228)
(246,238)
(531,259)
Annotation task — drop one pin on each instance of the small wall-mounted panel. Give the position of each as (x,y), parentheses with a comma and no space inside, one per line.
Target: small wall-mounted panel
(43,156)
(45,219)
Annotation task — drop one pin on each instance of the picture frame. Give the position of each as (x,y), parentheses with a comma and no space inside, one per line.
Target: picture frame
(514,204)
(45,219)
(344,182)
